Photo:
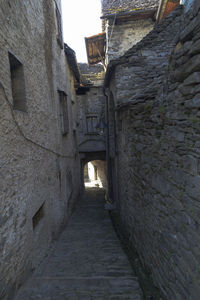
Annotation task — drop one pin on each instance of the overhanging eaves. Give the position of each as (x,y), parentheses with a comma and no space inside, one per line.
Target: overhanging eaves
(95,47)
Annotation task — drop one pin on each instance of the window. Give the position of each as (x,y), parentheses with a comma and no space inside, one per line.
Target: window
(59,27)
(91,124)
(17,83)
(64,113)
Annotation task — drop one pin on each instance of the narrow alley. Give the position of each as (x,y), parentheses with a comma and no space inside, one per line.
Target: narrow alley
(117,129)
(86,262)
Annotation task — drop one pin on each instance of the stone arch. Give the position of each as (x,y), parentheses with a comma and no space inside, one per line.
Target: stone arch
(86,157)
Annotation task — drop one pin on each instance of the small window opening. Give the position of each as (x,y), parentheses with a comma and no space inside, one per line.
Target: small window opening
(17,83)
(64,118)
(38,216)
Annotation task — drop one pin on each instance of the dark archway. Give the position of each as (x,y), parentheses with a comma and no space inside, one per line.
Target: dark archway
(87,157)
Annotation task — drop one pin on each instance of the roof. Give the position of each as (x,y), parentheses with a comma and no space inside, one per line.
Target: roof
(71,58)
(95,46)
(91,74)
(117,6)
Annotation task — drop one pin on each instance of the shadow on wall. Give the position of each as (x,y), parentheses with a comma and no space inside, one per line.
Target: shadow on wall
(95,174)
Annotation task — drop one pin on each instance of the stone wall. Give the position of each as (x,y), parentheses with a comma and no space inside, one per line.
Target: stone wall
(157,103)
(122,37)
(39,167)
(187,3)
(122,34)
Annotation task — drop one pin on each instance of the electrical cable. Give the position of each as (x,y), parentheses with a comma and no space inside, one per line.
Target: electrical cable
(22,133)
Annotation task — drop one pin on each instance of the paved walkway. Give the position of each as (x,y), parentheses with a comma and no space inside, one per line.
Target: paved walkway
(87,262)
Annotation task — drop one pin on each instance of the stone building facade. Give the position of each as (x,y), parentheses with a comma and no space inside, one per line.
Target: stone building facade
(153,97)
(39,162)
(126,23)
(91,115)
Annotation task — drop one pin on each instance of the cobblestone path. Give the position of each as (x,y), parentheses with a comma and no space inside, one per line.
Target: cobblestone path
(86,263)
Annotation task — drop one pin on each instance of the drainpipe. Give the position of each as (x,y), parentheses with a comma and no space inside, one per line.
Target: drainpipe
(109,196)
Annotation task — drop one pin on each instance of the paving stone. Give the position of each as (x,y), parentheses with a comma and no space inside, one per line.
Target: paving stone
(87,262)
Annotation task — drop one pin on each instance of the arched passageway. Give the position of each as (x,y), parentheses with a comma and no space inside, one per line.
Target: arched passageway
(95,174)
(93,169)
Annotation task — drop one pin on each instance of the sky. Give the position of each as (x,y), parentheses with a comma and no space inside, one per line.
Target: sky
(81,18)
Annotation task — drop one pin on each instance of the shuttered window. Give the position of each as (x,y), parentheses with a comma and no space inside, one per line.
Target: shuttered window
(91,124)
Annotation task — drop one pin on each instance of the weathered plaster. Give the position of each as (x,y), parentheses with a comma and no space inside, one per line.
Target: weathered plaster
(36,161)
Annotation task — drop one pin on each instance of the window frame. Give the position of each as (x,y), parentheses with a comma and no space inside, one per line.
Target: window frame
(17,78)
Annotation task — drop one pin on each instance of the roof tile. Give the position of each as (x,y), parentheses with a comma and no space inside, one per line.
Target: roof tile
(116,6)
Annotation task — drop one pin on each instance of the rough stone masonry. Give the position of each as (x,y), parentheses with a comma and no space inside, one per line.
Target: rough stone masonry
(156,88)
(39,166)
